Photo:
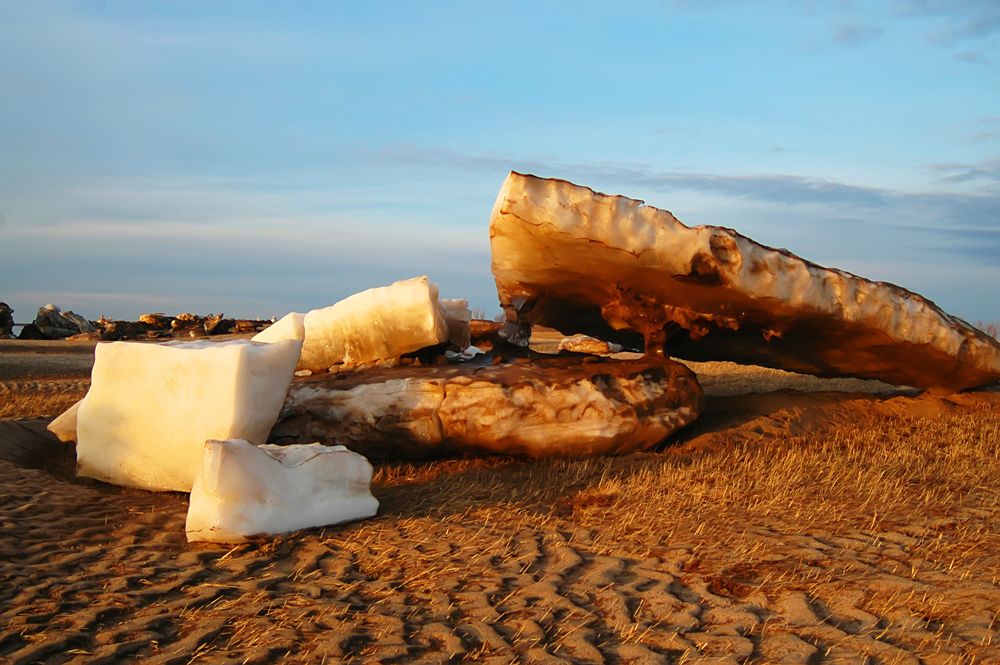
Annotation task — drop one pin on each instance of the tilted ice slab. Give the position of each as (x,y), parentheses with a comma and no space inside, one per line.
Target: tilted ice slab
(579,261)
(551,406)
(384,322)
(245,490)
(151,407)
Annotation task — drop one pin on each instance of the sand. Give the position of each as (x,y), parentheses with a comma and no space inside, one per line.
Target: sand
(503,561)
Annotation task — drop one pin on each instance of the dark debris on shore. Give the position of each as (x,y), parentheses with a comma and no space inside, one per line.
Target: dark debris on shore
(51,323)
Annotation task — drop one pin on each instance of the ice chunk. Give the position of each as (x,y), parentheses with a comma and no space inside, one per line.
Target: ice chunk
(290,326)
(245,490)
(458,316)
(588,344)
(151,407)
(378,323)
(569,258)
(64,427)
(552,406)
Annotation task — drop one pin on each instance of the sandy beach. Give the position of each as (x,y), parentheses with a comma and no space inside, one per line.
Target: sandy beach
(800,520)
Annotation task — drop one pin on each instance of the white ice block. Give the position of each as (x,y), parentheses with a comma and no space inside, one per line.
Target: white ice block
(378,323)
(290,326)
(151,407)
(245,490)
(458,316)
(64,426)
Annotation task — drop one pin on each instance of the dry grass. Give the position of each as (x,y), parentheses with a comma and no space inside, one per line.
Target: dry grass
(37,404)
(869,478)
(720,378)
(990,328)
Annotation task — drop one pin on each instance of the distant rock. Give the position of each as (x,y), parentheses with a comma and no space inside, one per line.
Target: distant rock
(6,321)
(54,324)
(184,326)
(536,408)
(579,261)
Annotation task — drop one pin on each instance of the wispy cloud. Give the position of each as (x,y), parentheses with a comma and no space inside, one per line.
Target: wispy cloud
(974,58)
(964,19)
(987,171)
(856,34)
(766,188)
(970,221)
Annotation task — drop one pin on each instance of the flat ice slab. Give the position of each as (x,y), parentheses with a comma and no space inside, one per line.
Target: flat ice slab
(549,407)
(151,407)
(244,490)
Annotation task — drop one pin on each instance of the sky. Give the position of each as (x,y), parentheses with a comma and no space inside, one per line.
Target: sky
(256,158)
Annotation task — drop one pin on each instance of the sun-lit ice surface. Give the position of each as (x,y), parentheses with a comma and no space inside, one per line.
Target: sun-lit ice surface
(290,326)
(383,322)
(573,259)
(588,344)
(151,407)
(64,426)
(244,490)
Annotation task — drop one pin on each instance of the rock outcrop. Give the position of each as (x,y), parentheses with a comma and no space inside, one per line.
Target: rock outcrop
(535,408)
(579,261)
(55,324)
(6,321)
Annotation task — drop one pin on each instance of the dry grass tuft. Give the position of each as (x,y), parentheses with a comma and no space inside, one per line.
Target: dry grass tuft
(992,329)
(37,404)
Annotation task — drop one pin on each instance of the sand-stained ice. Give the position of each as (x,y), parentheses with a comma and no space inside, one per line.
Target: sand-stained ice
(245,490)
(151,407)
(579,261)
(550,407)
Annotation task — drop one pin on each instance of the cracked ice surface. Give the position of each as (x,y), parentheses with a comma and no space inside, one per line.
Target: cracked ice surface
(151,407)
(579,261)
(244,490)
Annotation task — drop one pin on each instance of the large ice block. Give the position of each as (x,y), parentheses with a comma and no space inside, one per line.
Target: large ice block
(573,259)
(151,407)
(245,490)
(378,323)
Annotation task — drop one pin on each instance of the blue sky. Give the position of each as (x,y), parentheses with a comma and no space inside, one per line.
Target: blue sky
(258,158)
